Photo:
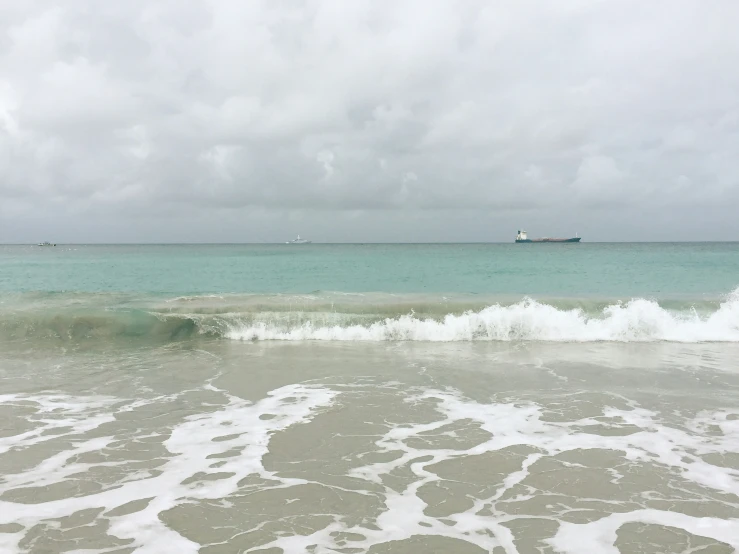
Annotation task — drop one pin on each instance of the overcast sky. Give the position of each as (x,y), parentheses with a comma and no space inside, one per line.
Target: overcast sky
(368,120)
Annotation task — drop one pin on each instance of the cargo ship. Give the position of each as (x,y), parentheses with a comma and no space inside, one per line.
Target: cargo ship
(522,237)
(298,241)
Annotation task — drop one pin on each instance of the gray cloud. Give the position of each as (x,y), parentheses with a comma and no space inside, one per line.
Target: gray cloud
(368,120)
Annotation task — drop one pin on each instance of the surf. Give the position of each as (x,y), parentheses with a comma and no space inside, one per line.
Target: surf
(76,318)
(638,320)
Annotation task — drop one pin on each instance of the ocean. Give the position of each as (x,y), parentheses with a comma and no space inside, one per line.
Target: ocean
(351,398)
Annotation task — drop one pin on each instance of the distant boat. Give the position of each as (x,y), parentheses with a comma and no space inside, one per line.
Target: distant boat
(45,244)
(522,237)
(298,241)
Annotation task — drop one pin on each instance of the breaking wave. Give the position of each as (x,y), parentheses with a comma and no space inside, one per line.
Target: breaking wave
(369,318)
(639,320)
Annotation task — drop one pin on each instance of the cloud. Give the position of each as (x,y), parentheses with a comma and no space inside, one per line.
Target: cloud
(326,158)
(367,115)
(600,182)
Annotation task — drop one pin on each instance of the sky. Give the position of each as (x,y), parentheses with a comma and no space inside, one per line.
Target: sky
(369,120)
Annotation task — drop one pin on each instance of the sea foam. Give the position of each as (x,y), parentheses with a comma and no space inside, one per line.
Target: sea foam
(639,320)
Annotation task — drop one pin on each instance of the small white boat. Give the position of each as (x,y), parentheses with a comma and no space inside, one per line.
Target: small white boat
(45,244)
(298,241)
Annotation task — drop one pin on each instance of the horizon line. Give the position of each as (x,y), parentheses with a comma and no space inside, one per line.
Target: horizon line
(345,243)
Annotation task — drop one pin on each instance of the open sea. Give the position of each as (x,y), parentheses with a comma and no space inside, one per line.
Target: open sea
(464,399)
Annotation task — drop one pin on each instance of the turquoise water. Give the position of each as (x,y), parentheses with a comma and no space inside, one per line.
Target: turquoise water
(696,270)
(396,399)
(373,292)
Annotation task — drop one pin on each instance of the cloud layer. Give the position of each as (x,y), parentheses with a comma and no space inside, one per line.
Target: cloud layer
(368,120)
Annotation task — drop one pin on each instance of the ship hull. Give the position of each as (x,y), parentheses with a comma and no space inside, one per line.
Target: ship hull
(576,239)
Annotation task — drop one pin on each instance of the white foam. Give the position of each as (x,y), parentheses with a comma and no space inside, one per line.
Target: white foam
(517,423)
(639,320)
(190,443)
(600,536)
(238,426)
(54,412)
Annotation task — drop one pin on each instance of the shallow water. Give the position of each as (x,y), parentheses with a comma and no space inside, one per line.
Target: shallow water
(403,447)
(572,399)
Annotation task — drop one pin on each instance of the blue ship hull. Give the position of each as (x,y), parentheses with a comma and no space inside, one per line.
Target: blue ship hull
(576,239)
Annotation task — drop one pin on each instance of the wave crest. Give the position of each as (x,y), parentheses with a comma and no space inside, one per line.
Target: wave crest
(638,320)
(91,318)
